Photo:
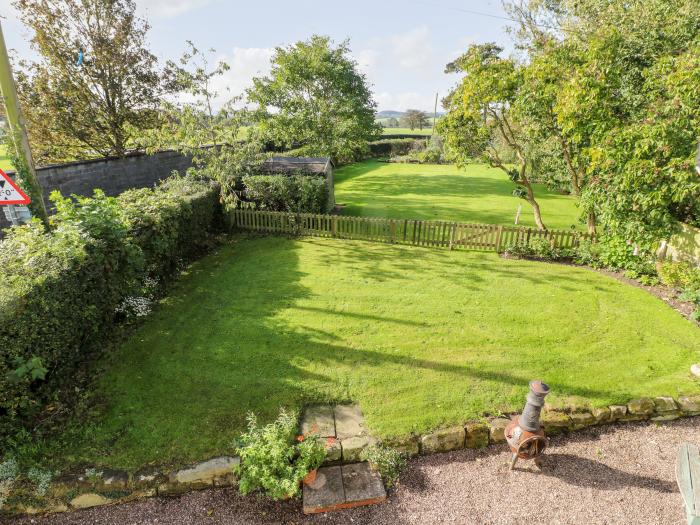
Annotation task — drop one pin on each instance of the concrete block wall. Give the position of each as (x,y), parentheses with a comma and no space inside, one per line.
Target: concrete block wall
(112,175)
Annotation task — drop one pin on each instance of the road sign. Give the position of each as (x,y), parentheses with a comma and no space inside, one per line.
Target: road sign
(10,193)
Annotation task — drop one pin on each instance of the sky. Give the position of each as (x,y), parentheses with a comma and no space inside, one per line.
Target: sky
(401,45)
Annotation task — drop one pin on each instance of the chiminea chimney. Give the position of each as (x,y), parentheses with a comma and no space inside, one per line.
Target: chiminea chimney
(523,434)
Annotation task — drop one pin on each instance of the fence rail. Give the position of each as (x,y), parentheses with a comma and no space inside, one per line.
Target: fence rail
(453,235)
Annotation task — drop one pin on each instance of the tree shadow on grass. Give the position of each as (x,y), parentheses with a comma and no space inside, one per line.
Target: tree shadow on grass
(220,347)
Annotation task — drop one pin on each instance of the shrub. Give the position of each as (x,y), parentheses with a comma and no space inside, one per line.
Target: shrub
(587,253)
(61,289)
(539,248)
(274,459)
(387,148)
(292,193)
(679,274)
(389,462)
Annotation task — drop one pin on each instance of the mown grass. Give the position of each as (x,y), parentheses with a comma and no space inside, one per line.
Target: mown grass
(421,338)
(444,192)
(5,163)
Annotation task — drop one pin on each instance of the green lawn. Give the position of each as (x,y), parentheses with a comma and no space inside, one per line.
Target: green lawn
(445,192)
(419,337)
(5,163)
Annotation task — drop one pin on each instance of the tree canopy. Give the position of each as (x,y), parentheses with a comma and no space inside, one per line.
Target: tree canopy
(95,81)
(316,98)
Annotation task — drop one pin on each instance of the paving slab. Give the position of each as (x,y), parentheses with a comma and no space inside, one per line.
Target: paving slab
(319,419)
(345,487)
(326,492)
(362,485)
(349,421)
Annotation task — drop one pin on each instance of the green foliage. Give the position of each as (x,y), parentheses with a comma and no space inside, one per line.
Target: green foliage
(389,462)
(210,137)
(81,111)
(61,289)
(316,97)
(274,459)
(386,148)
(539,248)
(588,254)
(679,274)
(292,193)
(482,117)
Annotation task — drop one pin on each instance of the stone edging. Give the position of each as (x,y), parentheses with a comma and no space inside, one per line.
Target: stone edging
(100,487)
(478,434)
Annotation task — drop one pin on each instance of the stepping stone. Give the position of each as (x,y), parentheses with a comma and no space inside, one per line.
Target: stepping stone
(345,487)
(319,420)
(349,421)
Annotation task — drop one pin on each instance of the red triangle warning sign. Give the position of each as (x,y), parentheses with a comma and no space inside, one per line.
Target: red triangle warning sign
(10,193)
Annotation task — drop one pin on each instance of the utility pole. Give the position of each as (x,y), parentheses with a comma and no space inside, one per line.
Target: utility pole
(435,113)
(26,173)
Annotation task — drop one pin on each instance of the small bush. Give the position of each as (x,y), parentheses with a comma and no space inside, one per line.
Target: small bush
(274,459)
(587,253)
(291,193)
(389,462)
(539,248)
(679,274)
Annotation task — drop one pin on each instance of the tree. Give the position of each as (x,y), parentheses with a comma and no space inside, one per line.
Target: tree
(211,137)
(414,118)
(316,98)
(480,115)
(392,122)
(626,100)
(95,82)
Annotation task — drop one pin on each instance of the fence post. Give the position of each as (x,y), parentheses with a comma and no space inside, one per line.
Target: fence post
(453,230)
(392,228)
(334,225)
(499,236)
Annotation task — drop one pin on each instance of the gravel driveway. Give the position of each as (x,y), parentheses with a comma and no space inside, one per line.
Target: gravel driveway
(618,474)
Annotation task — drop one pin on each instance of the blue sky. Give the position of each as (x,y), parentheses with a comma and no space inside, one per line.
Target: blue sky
(402,45)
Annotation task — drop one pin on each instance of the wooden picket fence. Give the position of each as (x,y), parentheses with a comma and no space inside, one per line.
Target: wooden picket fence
(452,235)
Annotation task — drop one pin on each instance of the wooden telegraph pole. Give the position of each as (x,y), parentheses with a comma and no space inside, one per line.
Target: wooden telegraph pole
(26,173)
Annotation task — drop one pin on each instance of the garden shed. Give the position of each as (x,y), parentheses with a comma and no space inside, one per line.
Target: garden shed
(313,166)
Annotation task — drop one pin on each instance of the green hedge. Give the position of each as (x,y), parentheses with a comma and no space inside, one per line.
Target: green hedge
(61,289)
(293,193)
(395,147)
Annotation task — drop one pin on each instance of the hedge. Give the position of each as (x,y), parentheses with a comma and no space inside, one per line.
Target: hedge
(61,289)
(294,193)
(395,147)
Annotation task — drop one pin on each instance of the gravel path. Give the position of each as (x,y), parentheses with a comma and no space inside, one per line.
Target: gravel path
(618,474)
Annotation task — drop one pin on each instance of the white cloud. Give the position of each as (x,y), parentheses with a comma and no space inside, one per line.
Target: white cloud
(404,100)
(170,8)
(412,49)
(246,63)
(367,60)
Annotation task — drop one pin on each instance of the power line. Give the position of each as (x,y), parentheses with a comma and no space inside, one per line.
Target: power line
(489,15)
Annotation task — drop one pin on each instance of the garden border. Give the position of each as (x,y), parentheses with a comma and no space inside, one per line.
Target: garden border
(95,487)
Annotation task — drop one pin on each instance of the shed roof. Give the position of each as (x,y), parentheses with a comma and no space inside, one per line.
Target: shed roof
(318,165)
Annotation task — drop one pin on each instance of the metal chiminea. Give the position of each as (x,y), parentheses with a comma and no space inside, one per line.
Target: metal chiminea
(523,434)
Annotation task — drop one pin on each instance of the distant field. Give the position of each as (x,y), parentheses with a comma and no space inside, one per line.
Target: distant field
(444,192)
(408,131)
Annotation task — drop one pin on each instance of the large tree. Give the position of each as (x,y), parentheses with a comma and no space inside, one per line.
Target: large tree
(316,98)
(480,118)
(415,118)
(626,99)
(94,84)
